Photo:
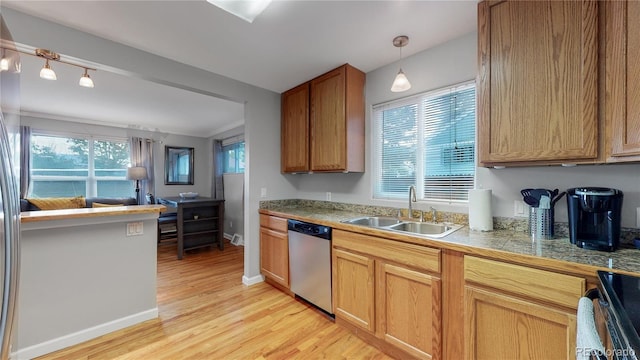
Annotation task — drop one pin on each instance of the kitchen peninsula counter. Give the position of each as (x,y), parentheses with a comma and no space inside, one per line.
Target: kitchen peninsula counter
(84,273)
(65,214)
(508,245)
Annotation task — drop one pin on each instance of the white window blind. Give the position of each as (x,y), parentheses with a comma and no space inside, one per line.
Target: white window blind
(428,141)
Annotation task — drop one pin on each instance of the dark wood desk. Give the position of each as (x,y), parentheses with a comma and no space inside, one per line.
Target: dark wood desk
(200,222)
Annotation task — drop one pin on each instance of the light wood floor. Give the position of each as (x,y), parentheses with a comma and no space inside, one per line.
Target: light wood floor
(207,313)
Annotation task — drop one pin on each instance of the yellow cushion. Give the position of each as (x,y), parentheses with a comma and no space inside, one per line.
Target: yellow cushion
(77,202)
(99,205)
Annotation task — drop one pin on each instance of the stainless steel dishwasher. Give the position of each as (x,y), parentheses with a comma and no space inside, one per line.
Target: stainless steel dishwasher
(310,263)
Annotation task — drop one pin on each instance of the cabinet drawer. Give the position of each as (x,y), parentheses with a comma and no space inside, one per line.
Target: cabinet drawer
(272,222)
(564,290)
(408,254)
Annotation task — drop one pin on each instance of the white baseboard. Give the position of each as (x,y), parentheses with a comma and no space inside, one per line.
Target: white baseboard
(252,280)
(228,236)
(83,335)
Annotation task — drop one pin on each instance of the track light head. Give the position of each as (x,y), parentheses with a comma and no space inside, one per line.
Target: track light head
(47,72)
(85,80)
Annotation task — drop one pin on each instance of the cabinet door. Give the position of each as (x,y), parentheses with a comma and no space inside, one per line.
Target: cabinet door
(537,81)
(353,288)
(498,326)
(409,310)
(295,130)
(622,102)
(328,122)
(274,256)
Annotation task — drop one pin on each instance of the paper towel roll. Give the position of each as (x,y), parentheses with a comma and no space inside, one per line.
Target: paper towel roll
(480,217)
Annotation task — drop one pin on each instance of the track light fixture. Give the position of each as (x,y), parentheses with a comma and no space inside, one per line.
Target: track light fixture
(47,72)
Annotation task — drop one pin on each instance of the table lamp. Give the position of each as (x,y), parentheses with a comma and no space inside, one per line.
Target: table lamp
(137,173)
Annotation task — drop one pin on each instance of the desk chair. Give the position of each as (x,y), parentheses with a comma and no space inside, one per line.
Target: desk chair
(167,223)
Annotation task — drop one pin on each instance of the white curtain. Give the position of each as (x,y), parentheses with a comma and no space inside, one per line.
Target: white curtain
(142,155)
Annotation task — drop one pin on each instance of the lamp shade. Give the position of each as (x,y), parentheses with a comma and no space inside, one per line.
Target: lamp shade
(137,173)
(86,81)
(47,72)
(401,83)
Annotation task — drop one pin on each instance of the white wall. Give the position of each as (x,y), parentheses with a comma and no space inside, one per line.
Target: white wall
(262,107)
(233,204)
(447,64)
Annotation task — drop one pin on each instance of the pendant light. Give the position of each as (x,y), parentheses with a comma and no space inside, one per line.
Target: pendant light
(400,83)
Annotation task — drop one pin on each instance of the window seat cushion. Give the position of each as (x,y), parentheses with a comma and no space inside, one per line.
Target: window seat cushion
(34,204)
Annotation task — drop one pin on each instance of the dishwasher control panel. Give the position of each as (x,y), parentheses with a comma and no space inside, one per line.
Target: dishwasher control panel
(310,229)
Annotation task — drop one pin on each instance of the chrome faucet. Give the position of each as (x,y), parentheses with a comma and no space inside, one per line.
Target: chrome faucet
(434,214)
(412,198)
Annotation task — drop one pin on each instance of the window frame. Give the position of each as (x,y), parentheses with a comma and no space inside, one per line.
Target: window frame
(377,192)
(91,180)
(236,147)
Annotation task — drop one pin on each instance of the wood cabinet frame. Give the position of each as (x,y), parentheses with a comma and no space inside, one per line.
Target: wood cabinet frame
(565,116)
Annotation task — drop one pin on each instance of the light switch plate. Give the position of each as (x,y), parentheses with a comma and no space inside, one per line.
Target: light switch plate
(135,228)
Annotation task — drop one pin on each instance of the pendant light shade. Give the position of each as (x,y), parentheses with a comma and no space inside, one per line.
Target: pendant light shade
(47,72)
(400,83)
(85,80)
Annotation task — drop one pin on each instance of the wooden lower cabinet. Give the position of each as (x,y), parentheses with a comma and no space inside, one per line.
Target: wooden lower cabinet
(409,310)
(498,326)
(517,312)
(274,249)
(397,305)
(354,294)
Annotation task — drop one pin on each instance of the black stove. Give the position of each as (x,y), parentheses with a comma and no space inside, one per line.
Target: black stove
(621,297)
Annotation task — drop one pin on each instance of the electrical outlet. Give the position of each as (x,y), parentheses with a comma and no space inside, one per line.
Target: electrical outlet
(230,224)
(328,196)
(135,228)
(519,209)
(263,192)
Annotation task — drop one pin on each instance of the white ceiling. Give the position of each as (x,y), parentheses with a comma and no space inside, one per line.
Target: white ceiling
(289,43)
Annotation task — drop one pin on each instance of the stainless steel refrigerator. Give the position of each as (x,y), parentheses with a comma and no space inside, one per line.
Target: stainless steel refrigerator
(9,198)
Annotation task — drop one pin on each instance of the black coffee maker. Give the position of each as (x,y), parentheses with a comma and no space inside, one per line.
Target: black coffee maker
(594,217)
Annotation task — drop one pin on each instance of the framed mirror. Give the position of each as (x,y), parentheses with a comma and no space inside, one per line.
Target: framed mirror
(178,165)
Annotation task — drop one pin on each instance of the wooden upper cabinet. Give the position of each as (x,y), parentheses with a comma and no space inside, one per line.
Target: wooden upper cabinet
(537,81)
(622,101)
(295,130)
(330,109)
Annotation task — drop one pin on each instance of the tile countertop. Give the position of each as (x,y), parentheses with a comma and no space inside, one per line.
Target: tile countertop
(558,254)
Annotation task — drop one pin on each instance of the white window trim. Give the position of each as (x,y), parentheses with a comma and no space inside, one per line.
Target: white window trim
(91,181)
(376,150)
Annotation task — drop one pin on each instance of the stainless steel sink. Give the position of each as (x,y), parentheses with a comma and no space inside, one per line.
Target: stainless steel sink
(373,221)
(431,230)
(422,228)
